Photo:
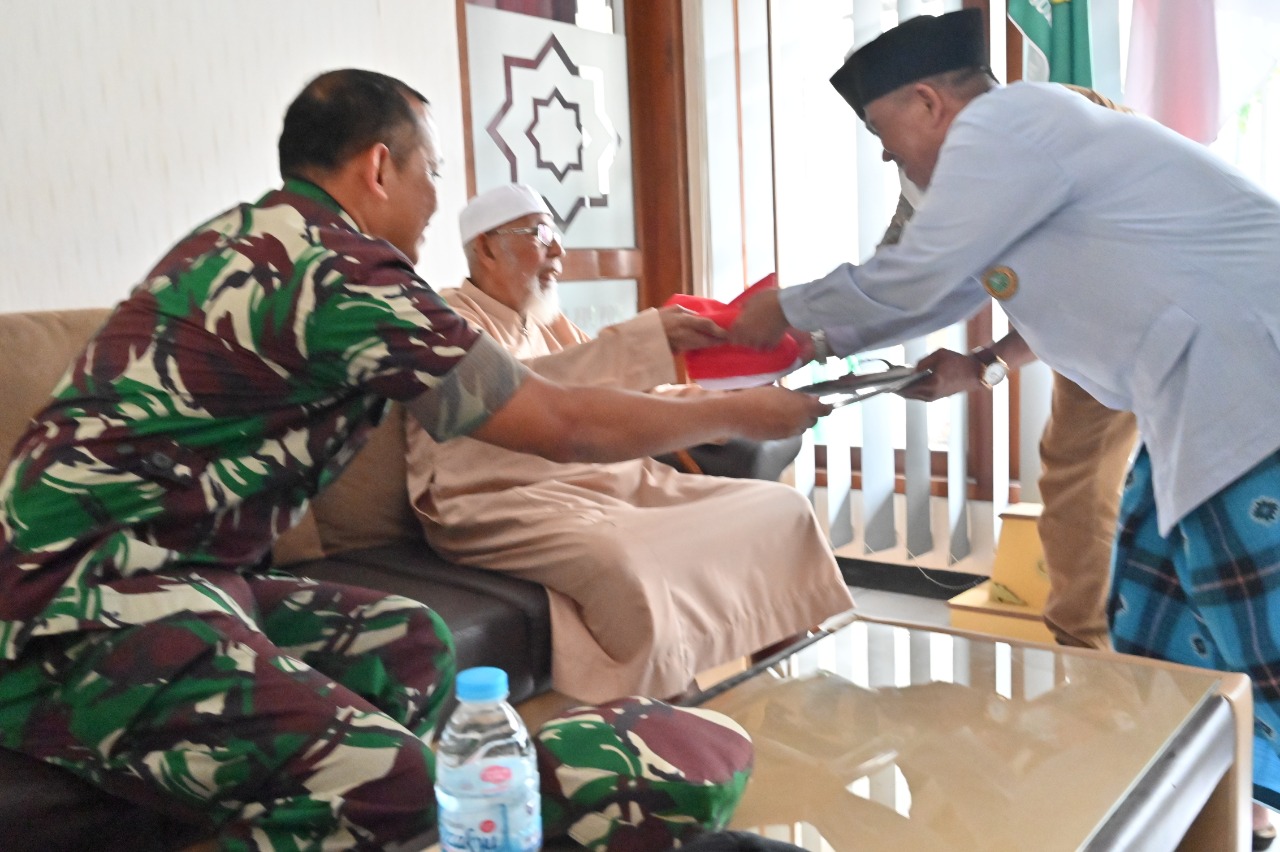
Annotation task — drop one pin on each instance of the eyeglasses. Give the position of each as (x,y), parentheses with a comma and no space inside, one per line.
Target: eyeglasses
(543,232)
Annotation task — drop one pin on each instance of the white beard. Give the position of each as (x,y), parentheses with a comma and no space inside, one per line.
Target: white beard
(545,306)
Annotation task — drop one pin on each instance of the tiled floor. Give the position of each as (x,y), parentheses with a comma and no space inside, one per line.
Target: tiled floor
(900,607)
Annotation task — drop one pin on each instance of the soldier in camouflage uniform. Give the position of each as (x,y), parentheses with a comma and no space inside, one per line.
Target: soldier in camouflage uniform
(144,647)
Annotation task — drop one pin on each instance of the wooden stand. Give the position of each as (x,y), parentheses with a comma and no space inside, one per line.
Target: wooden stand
(1011,603)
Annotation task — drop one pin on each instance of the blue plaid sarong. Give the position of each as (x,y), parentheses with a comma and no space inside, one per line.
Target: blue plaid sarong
(1208,595)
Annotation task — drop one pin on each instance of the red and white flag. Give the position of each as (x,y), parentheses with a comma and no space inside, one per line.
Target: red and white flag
(1173,66)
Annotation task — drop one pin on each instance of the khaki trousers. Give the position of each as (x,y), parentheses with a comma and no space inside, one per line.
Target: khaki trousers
(1084,452)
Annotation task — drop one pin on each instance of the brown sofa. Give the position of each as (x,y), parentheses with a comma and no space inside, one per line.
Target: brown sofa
(360,531)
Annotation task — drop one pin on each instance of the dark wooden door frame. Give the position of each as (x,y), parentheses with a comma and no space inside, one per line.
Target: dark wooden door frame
(660,147)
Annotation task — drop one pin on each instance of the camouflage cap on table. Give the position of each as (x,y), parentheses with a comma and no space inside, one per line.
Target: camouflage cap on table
(637,774)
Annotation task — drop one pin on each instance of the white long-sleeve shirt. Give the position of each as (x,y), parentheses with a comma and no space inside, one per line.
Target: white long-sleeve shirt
(1146,269)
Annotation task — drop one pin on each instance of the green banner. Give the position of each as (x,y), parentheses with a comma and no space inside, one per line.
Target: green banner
(1058,29)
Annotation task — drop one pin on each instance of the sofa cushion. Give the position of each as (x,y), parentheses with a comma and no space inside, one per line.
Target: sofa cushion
(299,543)
(368,504)
(38,348)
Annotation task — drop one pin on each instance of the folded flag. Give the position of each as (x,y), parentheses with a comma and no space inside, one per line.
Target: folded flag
(731,366)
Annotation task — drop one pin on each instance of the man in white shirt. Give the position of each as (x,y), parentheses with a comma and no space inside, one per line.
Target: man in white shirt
(1084,452)
(1133,262)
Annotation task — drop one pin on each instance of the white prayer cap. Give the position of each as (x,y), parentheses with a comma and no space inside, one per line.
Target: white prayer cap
(495,207)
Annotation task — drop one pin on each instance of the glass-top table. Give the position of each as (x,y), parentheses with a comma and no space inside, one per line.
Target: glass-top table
(881,736)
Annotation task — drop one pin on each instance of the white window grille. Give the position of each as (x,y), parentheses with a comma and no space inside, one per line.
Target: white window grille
(794,183)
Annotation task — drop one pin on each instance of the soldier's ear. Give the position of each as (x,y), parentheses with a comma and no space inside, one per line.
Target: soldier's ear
(371,166)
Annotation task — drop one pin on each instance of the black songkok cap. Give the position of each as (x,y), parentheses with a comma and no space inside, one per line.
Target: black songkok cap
(917,48)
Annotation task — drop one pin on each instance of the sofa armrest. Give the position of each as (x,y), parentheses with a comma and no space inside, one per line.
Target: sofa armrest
(741,458)
(45,808)
(497,619)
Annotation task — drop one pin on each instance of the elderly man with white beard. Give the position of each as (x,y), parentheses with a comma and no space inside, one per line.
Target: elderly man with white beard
(654,575)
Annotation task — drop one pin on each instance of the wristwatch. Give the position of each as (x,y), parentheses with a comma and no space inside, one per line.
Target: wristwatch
(994,369)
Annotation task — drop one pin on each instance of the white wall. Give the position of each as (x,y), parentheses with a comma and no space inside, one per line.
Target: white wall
(123,124)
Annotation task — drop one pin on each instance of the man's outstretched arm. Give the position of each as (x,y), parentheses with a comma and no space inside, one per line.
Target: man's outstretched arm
(957,372)
(568,423)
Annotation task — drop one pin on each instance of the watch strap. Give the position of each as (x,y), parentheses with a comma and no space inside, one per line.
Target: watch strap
(821,348)
(986,356)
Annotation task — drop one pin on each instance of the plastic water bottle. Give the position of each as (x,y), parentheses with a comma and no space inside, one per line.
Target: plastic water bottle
(487,771)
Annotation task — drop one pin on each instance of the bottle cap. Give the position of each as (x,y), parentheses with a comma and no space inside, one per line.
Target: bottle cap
(482,683)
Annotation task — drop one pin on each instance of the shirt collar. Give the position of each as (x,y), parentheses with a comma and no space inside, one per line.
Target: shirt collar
(307,189)
(310,190)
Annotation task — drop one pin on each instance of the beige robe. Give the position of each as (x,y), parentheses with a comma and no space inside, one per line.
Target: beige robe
(653,575)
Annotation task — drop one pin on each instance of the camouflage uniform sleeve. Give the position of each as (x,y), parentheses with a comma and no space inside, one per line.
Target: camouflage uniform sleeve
(481,383)
(901,216)
(375,327)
